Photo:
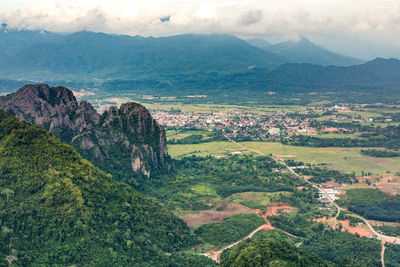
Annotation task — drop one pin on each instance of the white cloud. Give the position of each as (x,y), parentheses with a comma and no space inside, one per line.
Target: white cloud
(363,19)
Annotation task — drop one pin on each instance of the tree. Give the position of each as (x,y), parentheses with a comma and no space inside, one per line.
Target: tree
(7,192)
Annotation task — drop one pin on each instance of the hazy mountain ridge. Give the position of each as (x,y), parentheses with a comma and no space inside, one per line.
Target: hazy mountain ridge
(120,141)
(85,55)
(304,51)
(372,77)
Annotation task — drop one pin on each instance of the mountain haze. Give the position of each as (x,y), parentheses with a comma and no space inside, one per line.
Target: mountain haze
(304,51)
(88,55)
(372,77)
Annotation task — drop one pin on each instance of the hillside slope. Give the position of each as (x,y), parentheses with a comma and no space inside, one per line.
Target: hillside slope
(57,209)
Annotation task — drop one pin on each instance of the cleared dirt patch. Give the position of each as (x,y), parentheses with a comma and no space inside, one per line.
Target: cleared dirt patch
(360,230)
(209,216)
(389,184)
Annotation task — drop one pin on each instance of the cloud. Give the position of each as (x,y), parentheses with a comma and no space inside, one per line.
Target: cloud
(374,21)
(251,17)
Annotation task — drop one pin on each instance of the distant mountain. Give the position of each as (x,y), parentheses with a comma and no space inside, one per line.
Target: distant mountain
(88,55)
(374,76)
(259,42)
(59,210)
(304,51)
(122,141)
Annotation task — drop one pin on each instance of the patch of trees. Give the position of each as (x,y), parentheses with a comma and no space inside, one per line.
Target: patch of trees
(388,137)
(372,204)
(221,176)
(197,139)
(344,249)
(379,153)
(392,256)
(322,175)
(270,252)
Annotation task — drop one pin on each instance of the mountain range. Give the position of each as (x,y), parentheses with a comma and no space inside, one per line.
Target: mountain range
(123,141)
(88,55)
(184,63)
(372,77)
(304,51)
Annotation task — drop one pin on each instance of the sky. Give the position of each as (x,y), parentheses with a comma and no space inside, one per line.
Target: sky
(359,28)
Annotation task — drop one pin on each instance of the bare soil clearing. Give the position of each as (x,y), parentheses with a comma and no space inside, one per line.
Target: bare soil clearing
(209,216)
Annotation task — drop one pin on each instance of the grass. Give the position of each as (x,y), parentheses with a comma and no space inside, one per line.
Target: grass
(256,200)
(216,149)
(210,108)
(342,159)
(177,134)
(338,135)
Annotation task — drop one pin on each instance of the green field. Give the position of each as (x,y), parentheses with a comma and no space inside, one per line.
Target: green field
(256,200)
(210,108)
(342,159)
(216,149)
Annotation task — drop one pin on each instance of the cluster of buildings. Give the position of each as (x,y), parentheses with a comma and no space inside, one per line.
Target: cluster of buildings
(236,123)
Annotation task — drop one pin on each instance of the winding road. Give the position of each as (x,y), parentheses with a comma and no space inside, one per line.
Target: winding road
(383,238)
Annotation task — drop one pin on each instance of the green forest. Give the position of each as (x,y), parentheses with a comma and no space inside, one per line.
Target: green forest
(58,209)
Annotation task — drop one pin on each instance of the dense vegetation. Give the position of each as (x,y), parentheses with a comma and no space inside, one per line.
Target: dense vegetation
(57,209)
(192,181)
(298,224)
(231,229)
(197,139)
(372,204)
(389,230)
(370,136)
(337,246)
(322,175)
(270,252)
(392,256)
(378,153)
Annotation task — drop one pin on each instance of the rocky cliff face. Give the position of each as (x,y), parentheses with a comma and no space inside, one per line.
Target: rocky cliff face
(123,141)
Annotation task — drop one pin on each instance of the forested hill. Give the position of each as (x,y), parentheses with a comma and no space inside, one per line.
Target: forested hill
(57,209)
(374,77)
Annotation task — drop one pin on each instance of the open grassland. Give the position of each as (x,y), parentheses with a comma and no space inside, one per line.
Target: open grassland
(178,134)
(210,108)
(338,135)
(342,159)
(256,200)
(216,149)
